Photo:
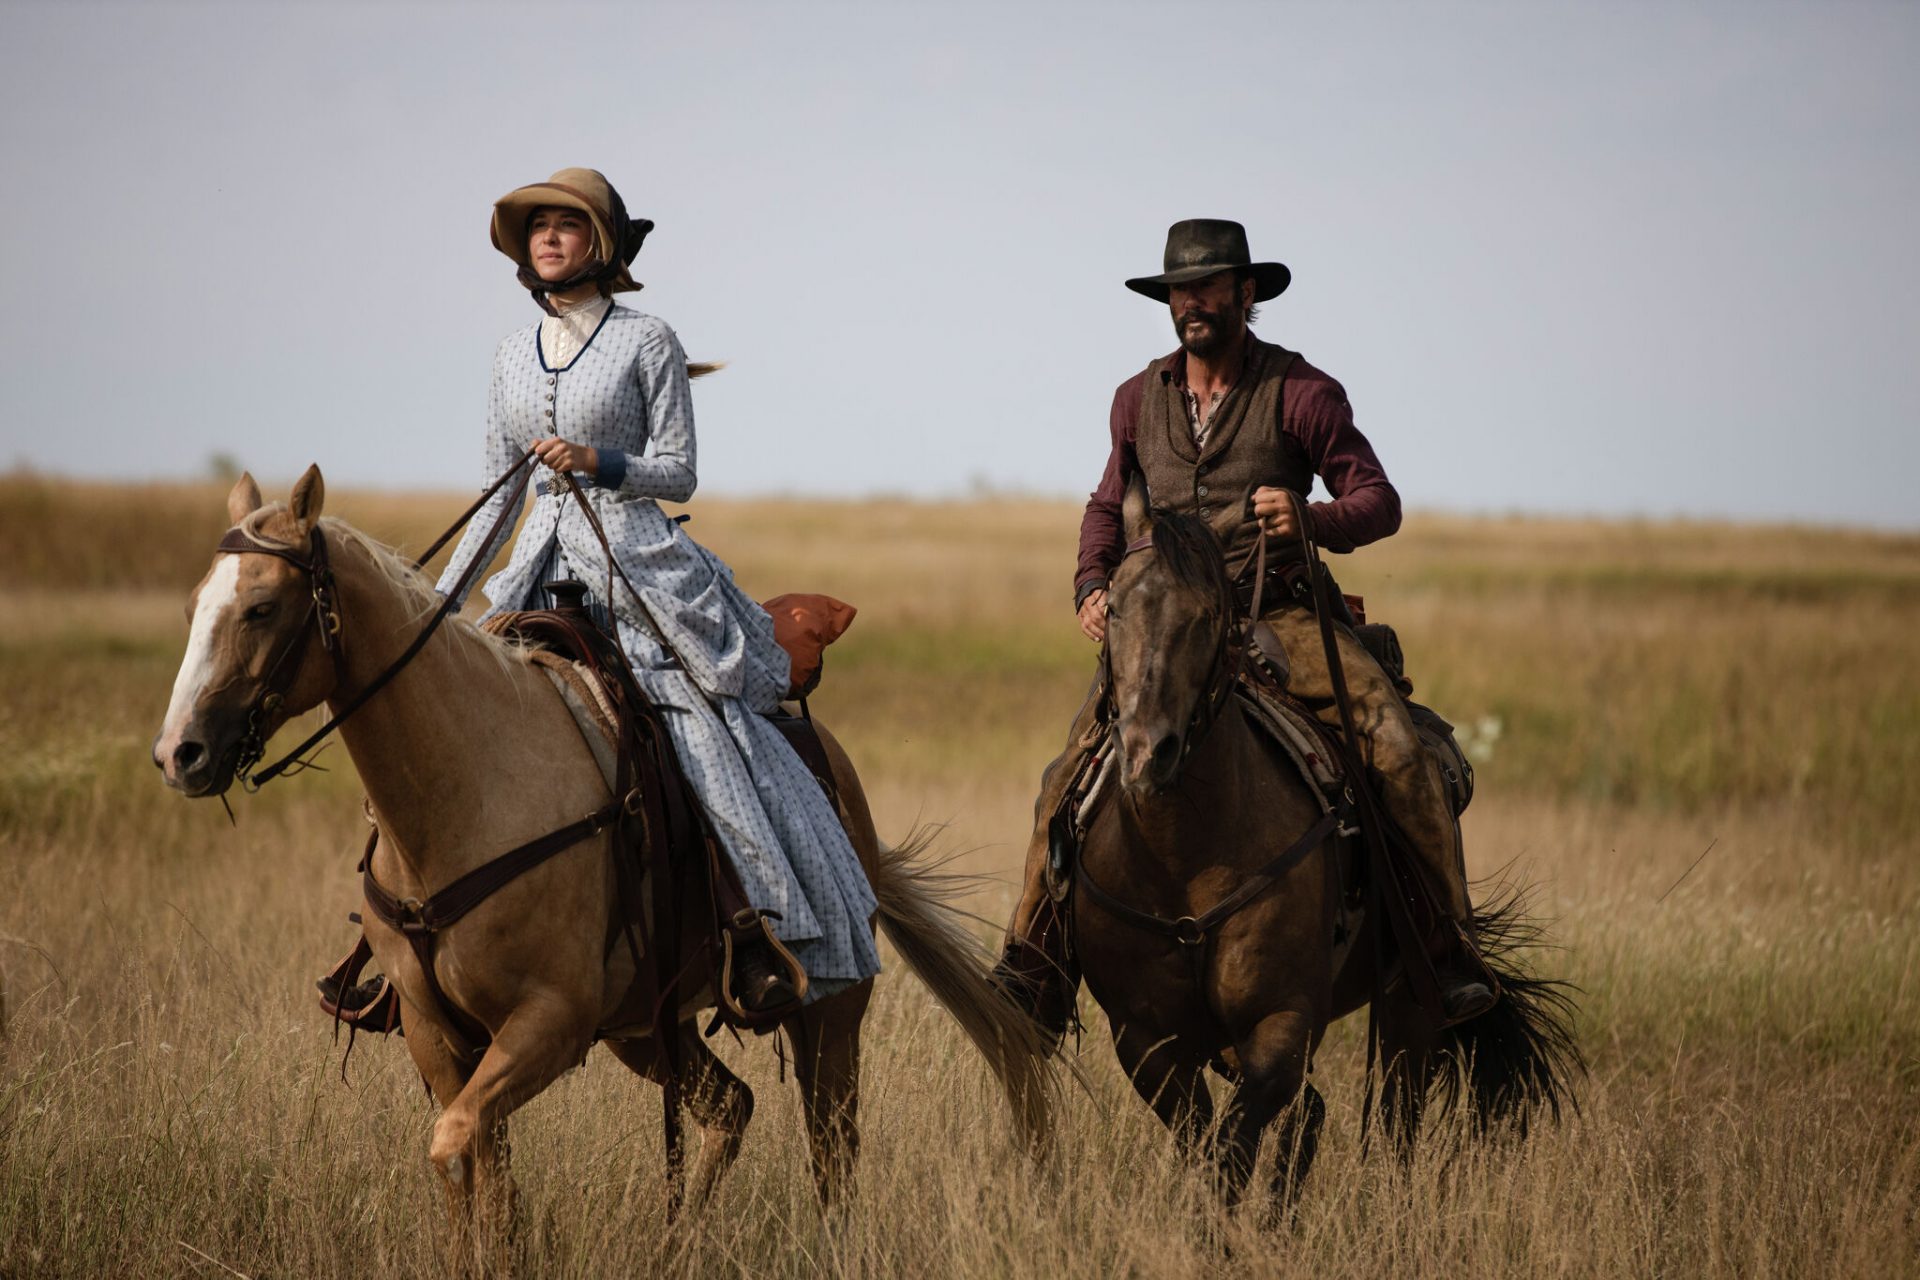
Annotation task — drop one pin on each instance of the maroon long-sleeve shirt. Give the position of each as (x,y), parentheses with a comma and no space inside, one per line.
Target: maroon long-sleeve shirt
(1314,416)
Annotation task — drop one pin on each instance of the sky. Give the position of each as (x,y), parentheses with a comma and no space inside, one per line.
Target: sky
(1618,259)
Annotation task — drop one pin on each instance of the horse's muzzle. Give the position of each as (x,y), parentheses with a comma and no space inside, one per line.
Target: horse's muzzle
(193,766)
(1150,762)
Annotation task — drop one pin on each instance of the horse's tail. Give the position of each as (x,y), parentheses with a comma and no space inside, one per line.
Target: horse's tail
(916,915)
(1519,1057)
(701,368)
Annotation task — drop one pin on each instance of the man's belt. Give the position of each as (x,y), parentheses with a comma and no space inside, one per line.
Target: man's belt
(1287,582)
(1290,582)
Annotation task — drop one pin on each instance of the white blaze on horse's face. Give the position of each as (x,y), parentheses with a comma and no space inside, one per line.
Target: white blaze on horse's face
(218,597)
(246,610)
(1162,642)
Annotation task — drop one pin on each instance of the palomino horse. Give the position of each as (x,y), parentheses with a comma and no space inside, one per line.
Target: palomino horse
(471,750)
(1203,947)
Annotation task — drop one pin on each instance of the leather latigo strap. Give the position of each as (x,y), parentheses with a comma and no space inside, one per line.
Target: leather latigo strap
(413,916)
(1195,930)
(420,920)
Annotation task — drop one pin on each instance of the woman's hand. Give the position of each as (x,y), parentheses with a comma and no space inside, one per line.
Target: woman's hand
(563,455)
(1279,514)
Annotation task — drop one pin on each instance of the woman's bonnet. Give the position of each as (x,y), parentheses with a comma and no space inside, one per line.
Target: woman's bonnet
(616,237)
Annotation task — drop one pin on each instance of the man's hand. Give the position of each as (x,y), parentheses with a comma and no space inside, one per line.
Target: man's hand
(1280,514)
(1093,614)
(564,456)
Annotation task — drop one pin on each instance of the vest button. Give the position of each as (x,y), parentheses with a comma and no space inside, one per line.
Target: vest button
(1206,513)
(1202,491)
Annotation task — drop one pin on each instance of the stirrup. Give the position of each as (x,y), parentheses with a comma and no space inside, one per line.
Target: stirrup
(1463,997)
(1028,979)
(749,937)
(1468,985)
(365,1006)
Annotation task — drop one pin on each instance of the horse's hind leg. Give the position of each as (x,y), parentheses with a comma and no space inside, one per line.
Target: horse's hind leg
(1273,1066)
(826,1050)
(719,1102)
(1408,1064)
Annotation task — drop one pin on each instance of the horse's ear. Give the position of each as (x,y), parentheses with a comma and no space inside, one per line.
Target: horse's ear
(1135,513)
(309,493)
(245,498)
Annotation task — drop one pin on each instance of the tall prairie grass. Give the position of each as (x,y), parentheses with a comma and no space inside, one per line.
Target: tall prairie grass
(1698,740)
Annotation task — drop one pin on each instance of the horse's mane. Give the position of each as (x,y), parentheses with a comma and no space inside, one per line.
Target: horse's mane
(413,585)
(1191,552)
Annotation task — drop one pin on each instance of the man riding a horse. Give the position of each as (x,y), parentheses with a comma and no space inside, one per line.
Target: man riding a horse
(1232,430)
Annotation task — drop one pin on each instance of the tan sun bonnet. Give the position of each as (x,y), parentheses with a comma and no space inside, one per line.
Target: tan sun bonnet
(584,189)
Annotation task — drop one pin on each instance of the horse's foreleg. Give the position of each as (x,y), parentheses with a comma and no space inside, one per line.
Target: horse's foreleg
(719,1101)
(1173,1085)
(826,1048)
(537,1043)
(446,1074)
(1273,1069)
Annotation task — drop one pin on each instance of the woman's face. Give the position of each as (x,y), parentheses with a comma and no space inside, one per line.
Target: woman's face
(559,242)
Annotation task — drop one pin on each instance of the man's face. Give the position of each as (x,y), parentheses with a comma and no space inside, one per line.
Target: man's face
(1210,314)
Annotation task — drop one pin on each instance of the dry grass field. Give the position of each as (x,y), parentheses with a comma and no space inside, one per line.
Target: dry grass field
(1640,695)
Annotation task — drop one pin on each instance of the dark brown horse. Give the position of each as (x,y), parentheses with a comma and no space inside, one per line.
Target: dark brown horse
(1208,917)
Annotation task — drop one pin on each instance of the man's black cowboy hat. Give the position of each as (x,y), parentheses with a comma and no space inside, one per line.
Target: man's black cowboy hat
(1200,247)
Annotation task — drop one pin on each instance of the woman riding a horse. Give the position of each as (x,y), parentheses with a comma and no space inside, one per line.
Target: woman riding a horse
(600,392)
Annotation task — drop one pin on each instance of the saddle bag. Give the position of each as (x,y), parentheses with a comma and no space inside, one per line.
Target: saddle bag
(1436,735)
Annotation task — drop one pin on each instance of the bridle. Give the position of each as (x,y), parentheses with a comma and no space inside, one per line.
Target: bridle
(1231,655)
(323,612)
(322,615)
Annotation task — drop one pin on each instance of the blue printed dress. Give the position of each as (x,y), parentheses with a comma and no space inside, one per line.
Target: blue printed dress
(625,393)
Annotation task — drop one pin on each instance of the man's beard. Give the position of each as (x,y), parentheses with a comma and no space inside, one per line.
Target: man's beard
(1210,341)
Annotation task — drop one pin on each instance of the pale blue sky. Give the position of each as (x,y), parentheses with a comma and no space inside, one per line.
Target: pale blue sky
(1582,258)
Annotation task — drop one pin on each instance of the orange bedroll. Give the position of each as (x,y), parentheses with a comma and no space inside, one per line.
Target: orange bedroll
(805,625)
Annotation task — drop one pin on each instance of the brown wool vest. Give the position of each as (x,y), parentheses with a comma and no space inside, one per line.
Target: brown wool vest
(1246,447)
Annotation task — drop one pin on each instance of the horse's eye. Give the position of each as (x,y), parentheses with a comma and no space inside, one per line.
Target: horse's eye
(260,612)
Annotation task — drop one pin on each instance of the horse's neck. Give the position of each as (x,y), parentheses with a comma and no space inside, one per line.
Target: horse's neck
(1219,792)
(438,747)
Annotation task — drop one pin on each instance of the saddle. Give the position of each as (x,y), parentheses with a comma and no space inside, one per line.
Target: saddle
(1306,742)
(672,843)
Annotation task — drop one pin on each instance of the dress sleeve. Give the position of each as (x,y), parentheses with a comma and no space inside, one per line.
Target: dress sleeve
(502,451)
(666,469)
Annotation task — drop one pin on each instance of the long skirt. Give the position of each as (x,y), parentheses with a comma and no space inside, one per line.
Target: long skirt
(784,839)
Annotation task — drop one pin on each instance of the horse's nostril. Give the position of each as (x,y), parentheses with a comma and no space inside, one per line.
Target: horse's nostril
(187,756)
(1166,750)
